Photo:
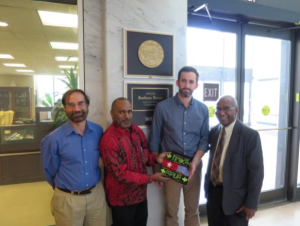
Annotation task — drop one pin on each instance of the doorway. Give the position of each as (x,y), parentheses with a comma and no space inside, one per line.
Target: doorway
(253,64)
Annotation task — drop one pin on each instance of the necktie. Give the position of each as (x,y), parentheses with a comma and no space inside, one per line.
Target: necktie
(214,176)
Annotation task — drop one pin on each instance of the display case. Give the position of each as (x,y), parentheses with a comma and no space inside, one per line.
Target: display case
(16,99)
(20,159)
(18,134)
(18,138)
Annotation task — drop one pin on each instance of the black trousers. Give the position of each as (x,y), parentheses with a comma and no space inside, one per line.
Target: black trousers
(215,213)
(133,215)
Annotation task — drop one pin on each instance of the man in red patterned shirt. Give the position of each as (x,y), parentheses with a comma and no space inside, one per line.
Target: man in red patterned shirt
(125,156)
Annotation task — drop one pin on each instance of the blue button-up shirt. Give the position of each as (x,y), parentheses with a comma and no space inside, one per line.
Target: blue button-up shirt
(71,161)
(179,129)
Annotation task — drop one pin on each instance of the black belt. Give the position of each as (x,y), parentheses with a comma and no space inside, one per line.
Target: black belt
(82,192)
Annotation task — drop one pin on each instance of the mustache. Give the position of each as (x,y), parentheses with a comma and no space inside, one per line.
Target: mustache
(186,89)
(81,112)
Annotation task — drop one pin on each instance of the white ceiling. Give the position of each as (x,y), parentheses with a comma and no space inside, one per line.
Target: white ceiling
(27,40)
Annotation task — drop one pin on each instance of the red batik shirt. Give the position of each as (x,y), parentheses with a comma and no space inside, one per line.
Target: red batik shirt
(125,156)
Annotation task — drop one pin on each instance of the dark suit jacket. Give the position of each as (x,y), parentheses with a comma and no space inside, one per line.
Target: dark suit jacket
(243,169)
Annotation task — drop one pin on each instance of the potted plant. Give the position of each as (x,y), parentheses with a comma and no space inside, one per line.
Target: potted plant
(71,81)
(58,113)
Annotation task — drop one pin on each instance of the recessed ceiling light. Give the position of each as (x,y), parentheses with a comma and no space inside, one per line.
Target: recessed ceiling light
(66,58)
(14,65)
(3,24)
(58,19)
(21,70)
(64,45)
(46,75)
(65,66)
(6,56)
(75,72)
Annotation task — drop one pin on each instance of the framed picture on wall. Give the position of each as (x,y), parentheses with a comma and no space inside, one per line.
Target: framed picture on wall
(144,97)
(148,54)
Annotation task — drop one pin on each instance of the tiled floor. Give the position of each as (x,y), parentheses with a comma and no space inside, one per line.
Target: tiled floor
(281,214)
(26,204)
(29,205)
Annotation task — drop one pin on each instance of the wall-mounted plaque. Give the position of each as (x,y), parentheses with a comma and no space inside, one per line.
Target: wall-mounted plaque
(148,54)
(144,97)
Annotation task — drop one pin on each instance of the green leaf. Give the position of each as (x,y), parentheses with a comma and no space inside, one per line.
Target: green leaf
(71,78)
(48,97)
(60,118)
(46,104)
(47,100)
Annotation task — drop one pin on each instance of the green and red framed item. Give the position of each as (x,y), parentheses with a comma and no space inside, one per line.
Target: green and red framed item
(176,167)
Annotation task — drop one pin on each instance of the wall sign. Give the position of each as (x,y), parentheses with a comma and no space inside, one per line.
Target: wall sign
(144,97)
(210,91)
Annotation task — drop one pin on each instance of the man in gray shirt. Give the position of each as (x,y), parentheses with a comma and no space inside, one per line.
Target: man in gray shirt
(180,125)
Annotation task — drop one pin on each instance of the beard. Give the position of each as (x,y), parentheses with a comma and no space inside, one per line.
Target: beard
(125,124)
(77,116)
(185,93)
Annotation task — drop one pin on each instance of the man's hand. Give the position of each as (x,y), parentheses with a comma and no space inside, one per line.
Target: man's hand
(159,177)
(192,169)
(249,213)
(156,169)
(194,164)
(161,156)
(159,185)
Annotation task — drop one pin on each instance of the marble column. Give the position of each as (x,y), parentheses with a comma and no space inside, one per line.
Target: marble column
(104,22)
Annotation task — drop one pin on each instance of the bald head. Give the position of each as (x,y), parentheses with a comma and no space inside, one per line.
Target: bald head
(113,105)
(230,98)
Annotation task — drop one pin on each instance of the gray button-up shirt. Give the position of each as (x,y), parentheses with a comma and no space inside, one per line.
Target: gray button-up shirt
(179,129)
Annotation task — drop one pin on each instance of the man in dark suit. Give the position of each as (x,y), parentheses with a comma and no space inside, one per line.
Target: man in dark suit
(235,170)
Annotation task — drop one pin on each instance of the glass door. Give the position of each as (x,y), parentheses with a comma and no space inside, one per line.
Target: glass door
(251,63)
(266,95)
(213,52)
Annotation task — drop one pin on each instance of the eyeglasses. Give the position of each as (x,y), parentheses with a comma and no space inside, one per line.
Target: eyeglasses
(79,104)
(225,109)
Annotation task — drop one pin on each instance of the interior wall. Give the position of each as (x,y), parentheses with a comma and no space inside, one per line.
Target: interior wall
(104,22)
(21,81)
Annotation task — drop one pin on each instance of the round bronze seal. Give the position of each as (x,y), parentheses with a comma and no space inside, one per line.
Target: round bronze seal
(151,54)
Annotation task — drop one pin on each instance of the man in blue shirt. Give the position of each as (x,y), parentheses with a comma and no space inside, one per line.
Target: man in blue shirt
(70,158)
(180,124)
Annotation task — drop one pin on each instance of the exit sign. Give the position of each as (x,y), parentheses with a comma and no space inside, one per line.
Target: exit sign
(210,91)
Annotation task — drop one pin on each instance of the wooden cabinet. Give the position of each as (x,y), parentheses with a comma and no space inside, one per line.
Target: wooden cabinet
(20,159)
(16,99)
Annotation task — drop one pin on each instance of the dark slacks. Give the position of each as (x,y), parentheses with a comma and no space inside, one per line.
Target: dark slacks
(215,213)
(133,215)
